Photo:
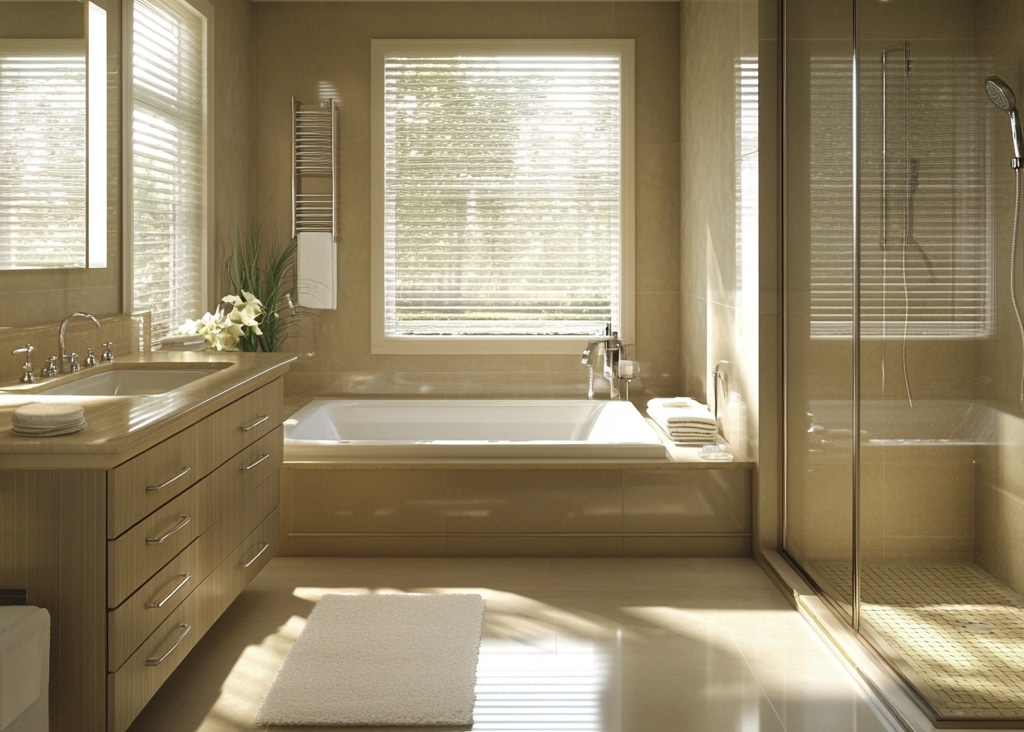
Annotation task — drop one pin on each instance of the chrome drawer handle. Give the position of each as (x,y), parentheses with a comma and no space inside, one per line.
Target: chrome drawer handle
(260,459)
(161,539)
(185,629)
(154,605)
(262,418)
(259,554)
(184,469)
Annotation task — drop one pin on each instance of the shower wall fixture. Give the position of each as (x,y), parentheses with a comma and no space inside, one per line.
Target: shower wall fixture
(314,202)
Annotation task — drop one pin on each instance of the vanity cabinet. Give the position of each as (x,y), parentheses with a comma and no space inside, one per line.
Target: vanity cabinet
(136,561)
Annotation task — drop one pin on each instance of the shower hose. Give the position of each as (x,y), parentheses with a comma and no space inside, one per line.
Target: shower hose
(1013,276)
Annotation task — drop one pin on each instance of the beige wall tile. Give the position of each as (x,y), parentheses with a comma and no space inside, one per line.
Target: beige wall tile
(691,501)
(367,501)
(1000,549)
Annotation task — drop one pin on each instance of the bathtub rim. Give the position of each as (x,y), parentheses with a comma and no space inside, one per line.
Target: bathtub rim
(498,452)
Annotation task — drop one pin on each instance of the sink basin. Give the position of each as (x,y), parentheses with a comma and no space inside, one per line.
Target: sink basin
(129,382)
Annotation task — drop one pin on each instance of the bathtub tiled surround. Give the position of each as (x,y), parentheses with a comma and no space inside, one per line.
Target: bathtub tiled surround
(516,509)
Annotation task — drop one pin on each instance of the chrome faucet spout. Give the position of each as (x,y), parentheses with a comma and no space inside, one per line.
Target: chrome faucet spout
(614,350)
(64,356)
(591,345)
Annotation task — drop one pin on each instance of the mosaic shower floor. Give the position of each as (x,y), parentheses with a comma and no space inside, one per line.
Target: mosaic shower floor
(958,630)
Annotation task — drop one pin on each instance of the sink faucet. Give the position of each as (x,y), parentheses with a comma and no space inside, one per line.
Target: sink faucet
(64,357)
(614,351)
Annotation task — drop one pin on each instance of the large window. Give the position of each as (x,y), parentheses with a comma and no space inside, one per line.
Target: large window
(169,153)
(502,194)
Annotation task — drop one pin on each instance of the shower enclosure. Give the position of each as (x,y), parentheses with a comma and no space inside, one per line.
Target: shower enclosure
(904,345)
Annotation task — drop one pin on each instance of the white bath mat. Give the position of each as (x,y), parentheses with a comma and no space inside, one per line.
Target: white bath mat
(395,659)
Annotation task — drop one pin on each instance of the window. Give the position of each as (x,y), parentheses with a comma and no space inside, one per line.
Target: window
(502,194)
(42,144)
(169,154)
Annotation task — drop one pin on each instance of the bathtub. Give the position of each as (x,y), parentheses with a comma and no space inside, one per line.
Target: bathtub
(327,429)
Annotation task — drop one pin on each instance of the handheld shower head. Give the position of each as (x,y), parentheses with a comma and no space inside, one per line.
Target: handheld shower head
(1001,95)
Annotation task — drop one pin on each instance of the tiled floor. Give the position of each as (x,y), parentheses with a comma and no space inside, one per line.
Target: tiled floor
(587,645)
(960,631)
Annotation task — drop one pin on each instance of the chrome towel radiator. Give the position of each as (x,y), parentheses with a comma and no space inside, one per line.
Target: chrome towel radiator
(314,168)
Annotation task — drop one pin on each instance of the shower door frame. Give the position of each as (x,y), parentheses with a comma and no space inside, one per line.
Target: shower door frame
(849,613)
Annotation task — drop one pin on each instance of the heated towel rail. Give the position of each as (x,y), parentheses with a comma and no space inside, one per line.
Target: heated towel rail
(314,168)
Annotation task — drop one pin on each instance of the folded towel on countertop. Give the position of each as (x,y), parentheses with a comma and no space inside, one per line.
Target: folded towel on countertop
(47,419)
(686,421)
(186,342)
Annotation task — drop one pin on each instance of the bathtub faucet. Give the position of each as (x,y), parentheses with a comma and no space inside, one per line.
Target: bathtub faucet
(614,350)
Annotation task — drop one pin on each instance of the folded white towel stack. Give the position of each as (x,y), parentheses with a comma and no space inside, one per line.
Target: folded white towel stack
(686,421)
(46,419)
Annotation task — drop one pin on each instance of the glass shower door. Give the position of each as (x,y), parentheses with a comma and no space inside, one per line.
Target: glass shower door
(904,363)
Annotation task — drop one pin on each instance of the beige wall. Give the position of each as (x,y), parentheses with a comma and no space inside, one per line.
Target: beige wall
(999,487)
(719,248)
(314,50)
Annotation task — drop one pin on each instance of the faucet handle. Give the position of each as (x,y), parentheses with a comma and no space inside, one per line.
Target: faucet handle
(27,377)
(107,354)
(73,364)
(50,369)
(90,358)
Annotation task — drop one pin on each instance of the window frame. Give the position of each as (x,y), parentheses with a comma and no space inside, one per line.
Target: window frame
(497,345)
(205,10)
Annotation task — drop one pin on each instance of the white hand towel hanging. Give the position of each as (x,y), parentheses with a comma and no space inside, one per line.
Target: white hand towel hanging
(317,270)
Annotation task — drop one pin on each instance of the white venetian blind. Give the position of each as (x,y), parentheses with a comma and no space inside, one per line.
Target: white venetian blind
(503,178)
(168,161)
(926,239)
(42,149)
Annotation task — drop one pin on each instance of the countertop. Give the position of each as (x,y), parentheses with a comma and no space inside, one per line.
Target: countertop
(119,428)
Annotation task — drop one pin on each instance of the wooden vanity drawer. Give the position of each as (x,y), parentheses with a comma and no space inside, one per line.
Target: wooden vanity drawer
(150,480)
(248,558)
(248,514)
(238,424)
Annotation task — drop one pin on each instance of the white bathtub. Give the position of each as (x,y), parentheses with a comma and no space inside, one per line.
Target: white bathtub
(327,429)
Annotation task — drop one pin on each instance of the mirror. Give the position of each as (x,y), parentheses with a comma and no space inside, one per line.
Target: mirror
(53,100)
